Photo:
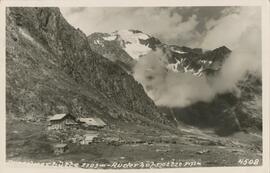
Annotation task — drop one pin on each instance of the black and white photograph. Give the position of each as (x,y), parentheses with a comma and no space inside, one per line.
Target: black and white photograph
(139,87)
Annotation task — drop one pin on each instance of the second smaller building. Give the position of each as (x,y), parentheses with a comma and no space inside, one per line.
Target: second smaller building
(92,123)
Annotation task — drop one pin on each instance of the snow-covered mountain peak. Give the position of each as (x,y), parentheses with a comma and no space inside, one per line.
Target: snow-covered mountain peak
(128,46)
(135,43)
(131,42)
(132,36)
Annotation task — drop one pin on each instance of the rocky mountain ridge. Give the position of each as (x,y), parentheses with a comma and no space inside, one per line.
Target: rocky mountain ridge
(128,46)
(51,69)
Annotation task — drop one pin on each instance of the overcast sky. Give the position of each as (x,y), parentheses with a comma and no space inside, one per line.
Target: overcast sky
(206,27)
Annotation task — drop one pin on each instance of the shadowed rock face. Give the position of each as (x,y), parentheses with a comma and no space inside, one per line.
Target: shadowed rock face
(226,113)
(52,69)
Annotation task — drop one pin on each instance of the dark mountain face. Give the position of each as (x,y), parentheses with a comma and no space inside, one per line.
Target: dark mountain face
(226,112)
(52,69)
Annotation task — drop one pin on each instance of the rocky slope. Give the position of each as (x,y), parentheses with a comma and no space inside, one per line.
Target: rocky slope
(52,69)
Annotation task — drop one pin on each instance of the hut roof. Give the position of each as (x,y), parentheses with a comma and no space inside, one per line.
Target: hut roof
(93,121)
(58,116)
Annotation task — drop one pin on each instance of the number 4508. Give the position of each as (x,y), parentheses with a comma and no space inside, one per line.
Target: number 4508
(249,162)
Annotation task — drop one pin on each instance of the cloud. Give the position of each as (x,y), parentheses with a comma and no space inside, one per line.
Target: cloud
(238,28)
(177,89)
(228,29)
(160,22)
(245,58)
(167,88)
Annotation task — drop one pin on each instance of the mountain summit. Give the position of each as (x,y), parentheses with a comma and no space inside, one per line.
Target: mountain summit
(128,46)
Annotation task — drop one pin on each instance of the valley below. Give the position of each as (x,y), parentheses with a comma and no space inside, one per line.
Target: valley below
(142,146)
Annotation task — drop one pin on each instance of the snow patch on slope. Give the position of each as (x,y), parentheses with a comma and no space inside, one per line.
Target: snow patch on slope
(130,42)
(205,62)
(174,67)
(110,38)
(98,42)
(130,36)
(177,51)
(199,72)
(180,52)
